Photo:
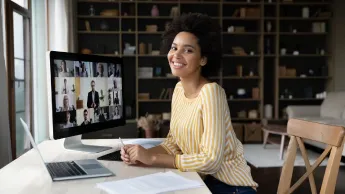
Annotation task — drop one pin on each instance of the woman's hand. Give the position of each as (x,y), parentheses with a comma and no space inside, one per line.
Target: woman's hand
(138,154)
(124,153)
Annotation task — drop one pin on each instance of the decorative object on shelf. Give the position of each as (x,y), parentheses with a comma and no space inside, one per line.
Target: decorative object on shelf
(144,96)
(239,71)
(87,25)
(291,72)
(151,28)
(151,123)
(142,48)
(269,1)
(116,52)
(322,52)
(296,52)
(268,111)
(282,71)
(241,92)
(155,52)
(240,29)
(104,25)
(252,53)
(166,93)
(268,26)
(145,72)
(242,114)
(174,11)
(110,12)
(231,29)
(149,48)
(311,72)
(154,11)
(129,50)
(239,51)
(86,51)
(318,27)
(251,73)
(92,11)
(321,95)
(305,12)
(253,114)
(283,51)
(255,93)
(158,71)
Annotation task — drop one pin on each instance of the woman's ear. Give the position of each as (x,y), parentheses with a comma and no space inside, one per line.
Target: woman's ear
(203,61)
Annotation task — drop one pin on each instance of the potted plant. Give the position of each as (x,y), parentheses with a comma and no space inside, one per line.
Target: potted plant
(151,124)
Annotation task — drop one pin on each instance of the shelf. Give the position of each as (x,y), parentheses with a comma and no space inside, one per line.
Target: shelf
(98,17)
(239,18)
(198,2)
(245,119)
(244,100)
(241,3)
(156,2)
(311,77)
(244,77)
(155,17)
(270,55)
(144,32)
(146,55)
(98,32)
(304,55)
(241,33)
(303,33)
(154,100)
(305,19)
(302,99)
(241,56)
(305,3)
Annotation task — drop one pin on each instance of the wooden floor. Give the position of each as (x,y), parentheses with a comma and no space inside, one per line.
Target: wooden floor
(268,179)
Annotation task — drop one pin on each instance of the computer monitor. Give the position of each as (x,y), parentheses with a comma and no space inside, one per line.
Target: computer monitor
(86,95)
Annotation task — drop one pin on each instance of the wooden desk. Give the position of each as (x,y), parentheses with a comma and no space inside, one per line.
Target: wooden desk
(27,174)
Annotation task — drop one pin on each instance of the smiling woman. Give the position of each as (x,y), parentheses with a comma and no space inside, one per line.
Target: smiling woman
(201,136)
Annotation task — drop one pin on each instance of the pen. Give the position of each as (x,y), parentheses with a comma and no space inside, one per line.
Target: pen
(123,145)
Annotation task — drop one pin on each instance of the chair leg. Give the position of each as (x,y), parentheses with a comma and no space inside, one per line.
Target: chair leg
(265,138)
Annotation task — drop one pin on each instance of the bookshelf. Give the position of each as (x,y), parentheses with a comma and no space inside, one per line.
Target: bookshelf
(254,33)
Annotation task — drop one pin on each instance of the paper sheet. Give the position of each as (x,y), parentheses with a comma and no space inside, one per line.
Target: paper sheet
(146,143)
(149,184)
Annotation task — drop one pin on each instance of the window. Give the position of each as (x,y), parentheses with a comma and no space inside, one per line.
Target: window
(18,30)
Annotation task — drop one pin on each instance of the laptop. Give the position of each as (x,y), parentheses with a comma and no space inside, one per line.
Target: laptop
(70,170)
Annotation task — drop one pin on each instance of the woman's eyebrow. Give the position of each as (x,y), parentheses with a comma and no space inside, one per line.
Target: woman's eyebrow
(185,45)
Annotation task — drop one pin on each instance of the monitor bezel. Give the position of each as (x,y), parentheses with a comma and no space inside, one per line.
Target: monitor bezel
(79,130)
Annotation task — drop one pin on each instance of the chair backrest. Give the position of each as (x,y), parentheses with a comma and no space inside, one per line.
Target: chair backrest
(324,132)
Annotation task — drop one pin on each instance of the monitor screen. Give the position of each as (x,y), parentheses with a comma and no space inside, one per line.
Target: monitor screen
(87,93)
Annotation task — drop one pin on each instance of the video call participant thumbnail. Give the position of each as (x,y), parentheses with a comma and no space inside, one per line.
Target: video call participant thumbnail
(93,97)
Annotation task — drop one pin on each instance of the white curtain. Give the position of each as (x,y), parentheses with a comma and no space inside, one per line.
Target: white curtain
(53,30)
(5,146)
(61,14)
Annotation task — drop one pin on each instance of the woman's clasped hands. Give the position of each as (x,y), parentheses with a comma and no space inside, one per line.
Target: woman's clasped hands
(136,155)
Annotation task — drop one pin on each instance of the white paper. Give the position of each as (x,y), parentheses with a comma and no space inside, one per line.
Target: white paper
(149,184)
(146,143)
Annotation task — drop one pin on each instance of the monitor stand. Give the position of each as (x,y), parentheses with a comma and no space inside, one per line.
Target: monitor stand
(74,143)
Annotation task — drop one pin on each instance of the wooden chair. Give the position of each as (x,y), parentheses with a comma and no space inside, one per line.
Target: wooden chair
(330,132)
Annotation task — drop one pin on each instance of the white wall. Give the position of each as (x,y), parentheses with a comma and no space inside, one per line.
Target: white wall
(339,45)
(5,151)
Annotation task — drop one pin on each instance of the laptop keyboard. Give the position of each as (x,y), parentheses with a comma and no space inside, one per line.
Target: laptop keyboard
(64,169)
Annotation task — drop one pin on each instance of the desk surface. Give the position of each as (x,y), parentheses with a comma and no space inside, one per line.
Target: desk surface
(27,174)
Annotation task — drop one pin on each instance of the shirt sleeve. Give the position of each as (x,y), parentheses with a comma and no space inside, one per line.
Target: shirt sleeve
(170,145)
(209,159)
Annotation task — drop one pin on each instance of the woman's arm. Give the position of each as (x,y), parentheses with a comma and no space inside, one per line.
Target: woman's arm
(212,144)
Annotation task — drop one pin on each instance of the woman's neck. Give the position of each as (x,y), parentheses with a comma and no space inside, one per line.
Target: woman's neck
(192,85)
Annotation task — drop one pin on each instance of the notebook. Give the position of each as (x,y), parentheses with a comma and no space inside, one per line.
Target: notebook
(150,184)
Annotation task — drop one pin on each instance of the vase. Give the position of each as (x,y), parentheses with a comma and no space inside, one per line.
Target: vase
(154,11)
(149,133)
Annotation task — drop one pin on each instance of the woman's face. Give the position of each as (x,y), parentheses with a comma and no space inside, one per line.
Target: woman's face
(63,66)
(184,56)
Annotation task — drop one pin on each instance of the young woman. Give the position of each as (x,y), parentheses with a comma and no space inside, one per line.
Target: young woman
(201,136)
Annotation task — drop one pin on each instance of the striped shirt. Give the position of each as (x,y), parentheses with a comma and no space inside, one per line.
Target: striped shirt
(202,138)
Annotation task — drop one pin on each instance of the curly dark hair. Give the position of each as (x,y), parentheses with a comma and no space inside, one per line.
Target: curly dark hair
(208,34)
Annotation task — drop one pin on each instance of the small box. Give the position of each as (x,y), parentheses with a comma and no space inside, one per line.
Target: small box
(238,129)
(252,133)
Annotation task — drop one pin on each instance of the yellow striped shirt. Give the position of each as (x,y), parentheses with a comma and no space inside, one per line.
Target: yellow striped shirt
(202,138)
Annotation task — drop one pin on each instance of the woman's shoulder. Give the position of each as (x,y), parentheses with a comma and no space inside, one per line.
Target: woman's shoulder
(211,88)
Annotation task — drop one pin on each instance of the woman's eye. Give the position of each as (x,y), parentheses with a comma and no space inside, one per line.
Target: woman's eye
(173,48)
(188,51)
